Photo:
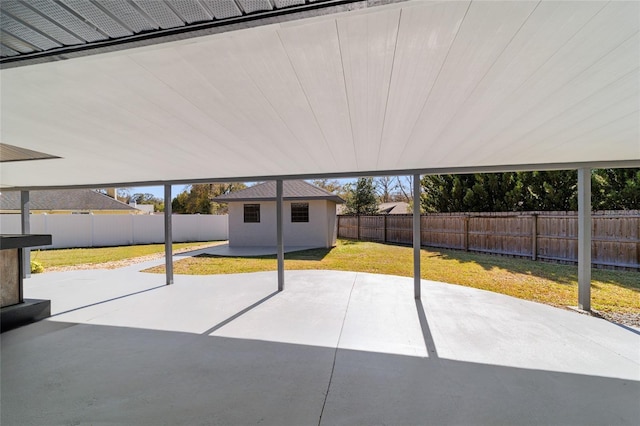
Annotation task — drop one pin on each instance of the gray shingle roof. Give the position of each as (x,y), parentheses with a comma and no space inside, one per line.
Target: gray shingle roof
(291,190)
(63,199)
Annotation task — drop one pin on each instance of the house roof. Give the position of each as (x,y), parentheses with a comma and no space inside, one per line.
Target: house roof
(291,190)
(63,199)
(396,207)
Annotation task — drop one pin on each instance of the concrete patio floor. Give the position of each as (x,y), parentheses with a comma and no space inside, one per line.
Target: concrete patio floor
(333,348)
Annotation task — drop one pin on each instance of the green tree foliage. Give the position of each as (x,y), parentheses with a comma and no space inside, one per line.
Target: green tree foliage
(197,198)
(612,189)
(616,189)
(360,197)
(218,189)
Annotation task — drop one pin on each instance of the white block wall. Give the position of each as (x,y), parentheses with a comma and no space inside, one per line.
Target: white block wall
(320,231)
(80,230)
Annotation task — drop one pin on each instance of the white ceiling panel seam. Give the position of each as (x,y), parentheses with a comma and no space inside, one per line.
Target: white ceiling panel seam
(589,123)
(435,81)
(346,95)
(603,135)
(460,109)
(386,102)
(367,47)
(424,39)
(561,47)
(510,115)
(251,155)
(479,42)
(594,98)
(523,53)
(581,89)
(226,149)
(306,95)
(226,95)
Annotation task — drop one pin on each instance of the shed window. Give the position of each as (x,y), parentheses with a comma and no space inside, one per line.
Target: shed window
(299,212)
(251,213)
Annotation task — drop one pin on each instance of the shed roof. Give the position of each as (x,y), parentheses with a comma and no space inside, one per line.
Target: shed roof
(291,190)
(63,199)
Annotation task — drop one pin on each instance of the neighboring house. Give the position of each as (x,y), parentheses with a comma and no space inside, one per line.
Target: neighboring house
(309,215)
(65,201)
(144,208)
(396,207)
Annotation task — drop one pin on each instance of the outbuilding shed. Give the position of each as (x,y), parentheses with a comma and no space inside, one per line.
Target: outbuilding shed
(309,215)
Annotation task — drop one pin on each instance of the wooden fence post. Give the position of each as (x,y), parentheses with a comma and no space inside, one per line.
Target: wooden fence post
(534,237)
(385,229)
(358,228)
(466,233)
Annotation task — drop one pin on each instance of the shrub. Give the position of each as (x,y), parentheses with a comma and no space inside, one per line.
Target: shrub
(36,267)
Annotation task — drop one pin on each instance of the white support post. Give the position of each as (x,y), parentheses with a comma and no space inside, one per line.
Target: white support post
(416,236)
(168,236)
(280,234)
(584,239)
(25,228)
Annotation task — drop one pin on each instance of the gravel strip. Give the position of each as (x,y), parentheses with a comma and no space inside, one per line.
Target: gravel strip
(125,262)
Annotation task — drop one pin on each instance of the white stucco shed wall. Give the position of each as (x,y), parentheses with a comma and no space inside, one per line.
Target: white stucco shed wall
(320,231)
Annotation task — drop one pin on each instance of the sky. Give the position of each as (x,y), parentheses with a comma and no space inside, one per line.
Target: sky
(157,191)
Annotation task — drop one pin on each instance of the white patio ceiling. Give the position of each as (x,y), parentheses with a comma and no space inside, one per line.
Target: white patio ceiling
(413,86)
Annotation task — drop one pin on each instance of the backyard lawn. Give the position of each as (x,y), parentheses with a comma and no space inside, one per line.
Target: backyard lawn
(550,283)
(57,258)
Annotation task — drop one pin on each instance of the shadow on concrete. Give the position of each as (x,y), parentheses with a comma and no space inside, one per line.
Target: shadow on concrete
(239,314)
(108,300)
(631,329)
(426,331)
(91,374)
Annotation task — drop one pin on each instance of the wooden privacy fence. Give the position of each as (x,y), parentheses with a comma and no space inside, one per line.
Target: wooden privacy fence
(536,235)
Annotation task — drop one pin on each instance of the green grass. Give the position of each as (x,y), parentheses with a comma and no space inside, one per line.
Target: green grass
(90,256)
(550,283)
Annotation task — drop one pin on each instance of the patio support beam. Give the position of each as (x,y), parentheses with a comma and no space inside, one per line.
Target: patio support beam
(168,235)
(280,235)
(584,239)
(416,236)
(25,228)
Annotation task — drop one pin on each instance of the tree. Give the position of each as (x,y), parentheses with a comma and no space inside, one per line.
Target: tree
(499,192)
(217,189)
(331,185)
(404,184)
(197,198)
(612,189)
(616,189)
(549,191)
(121,194)
(386,186)
(444,193)
(360,197)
